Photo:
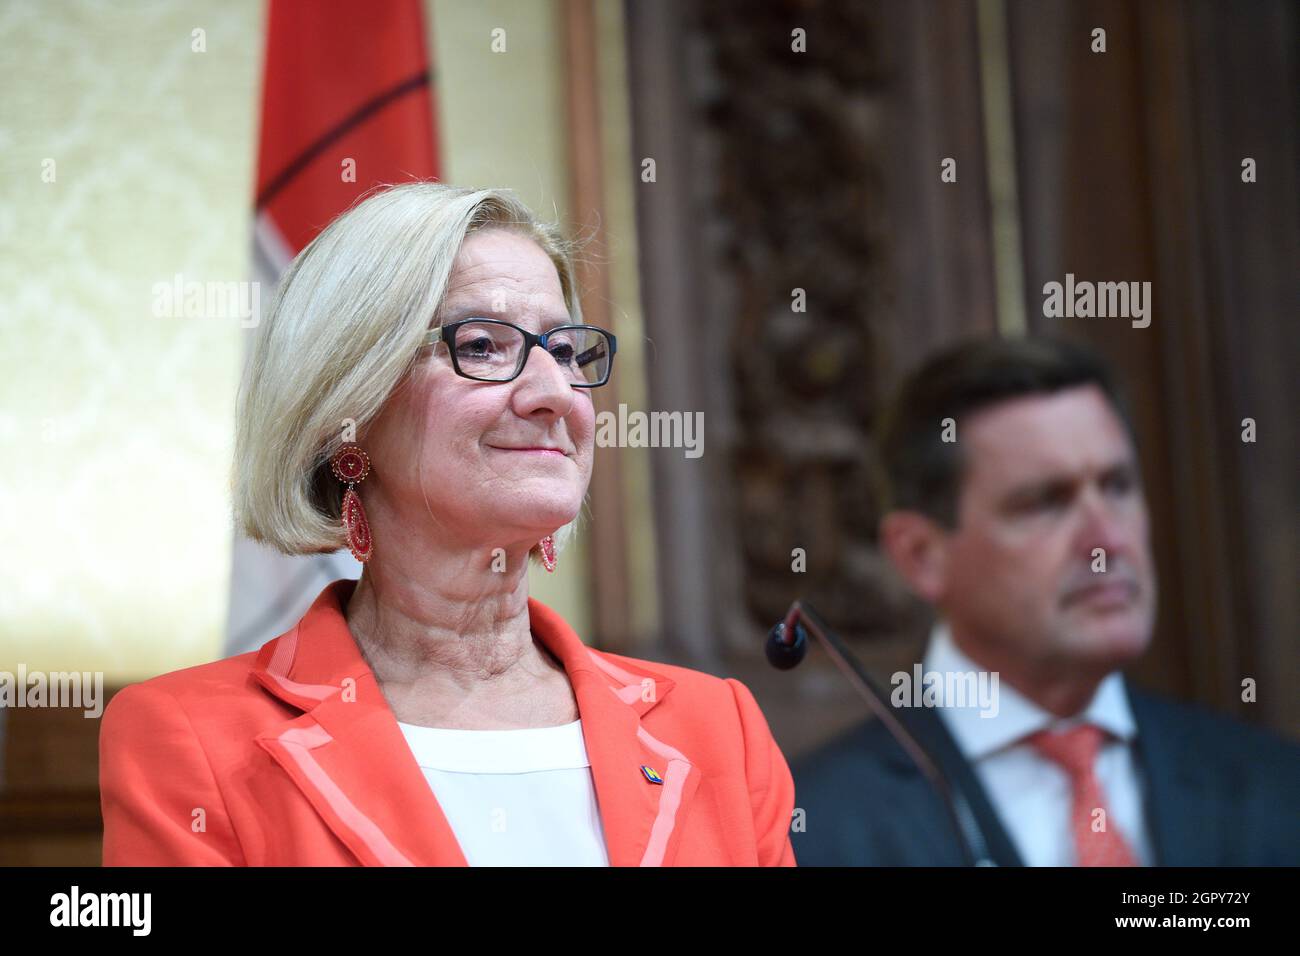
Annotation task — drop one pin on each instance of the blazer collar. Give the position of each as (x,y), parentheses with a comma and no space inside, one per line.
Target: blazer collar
(344,750)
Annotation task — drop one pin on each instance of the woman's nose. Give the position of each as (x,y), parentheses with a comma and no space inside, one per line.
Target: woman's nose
(543,386)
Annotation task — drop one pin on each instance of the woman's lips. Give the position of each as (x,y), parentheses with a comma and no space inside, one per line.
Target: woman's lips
(537,450)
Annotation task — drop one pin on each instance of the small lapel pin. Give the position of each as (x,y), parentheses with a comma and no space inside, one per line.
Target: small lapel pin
(652,775)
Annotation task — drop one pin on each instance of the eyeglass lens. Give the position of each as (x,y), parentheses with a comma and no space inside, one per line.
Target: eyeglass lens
(494,352)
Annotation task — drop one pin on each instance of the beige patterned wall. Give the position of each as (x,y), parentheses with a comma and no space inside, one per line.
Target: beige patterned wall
(115,423)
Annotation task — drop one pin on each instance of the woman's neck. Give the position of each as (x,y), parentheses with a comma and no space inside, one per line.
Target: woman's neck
(453,647)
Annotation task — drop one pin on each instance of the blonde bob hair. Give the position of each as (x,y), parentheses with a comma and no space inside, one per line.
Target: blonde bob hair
(347,323)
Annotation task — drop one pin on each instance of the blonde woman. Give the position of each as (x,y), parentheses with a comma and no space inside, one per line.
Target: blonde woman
(421,393)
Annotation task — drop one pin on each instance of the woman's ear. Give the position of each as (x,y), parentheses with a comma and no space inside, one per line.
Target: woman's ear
(918,548)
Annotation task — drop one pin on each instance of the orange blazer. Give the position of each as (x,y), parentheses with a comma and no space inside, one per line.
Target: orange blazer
(290,756)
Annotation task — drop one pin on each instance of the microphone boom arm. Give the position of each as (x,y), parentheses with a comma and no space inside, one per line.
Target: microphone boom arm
(787,646)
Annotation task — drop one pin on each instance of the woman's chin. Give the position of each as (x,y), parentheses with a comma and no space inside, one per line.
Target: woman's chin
(533,524)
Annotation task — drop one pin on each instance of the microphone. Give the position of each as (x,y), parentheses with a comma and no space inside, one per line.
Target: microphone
(787,644)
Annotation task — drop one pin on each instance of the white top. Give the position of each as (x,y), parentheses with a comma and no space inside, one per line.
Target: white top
(514,797)
(1030,792)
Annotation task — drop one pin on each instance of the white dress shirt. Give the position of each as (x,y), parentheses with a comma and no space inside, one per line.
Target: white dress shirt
(514,797)
(1030,792)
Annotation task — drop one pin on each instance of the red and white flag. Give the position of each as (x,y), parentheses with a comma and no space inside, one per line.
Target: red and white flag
(346,104)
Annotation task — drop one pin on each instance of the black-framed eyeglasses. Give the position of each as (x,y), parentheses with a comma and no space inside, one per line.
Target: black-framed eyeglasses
(493,350)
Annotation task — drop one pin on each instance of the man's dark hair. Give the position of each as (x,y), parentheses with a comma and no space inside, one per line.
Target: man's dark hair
(918,470)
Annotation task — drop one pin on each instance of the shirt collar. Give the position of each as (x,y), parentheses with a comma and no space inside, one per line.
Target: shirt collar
(1017,716)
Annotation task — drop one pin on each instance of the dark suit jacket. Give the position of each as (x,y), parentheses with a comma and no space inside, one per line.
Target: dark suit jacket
(1218,792)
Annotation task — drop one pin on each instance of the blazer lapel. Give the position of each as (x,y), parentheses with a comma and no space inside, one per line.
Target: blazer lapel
(1187,811)
(927,726)
(350,760)
(642,819)
(345,752)
(347,755)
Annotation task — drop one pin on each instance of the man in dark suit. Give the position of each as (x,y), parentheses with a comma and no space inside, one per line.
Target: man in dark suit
(1014,506)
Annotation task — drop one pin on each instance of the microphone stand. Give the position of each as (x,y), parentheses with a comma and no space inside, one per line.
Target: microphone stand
(787,643)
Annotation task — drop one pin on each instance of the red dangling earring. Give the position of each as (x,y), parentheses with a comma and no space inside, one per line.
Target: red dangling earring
(351,464)
(547,545)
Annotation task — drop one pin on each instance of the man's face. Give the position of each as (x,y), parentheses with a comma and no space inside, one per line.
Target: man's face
(1048,480)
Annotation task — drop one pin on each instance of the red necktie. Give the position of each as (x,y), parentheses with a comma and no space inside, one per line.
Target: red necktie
(1076,751)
